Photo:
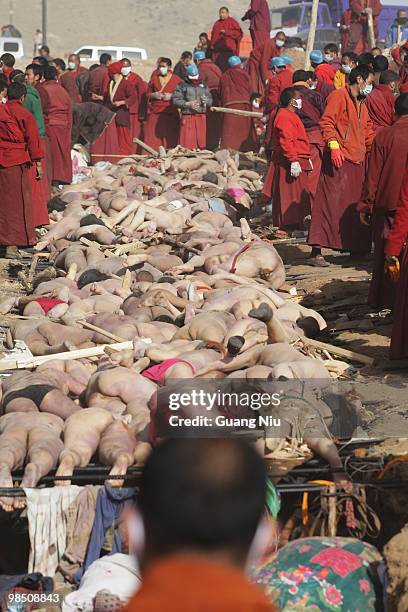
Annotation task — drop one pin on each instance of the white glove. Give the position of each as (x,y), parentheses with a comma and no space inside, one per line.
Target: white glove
(295,169)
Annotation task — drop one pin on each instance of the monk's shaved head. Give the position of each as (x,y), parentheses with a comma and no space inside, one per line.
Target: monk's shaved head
(388,76)
(401,105)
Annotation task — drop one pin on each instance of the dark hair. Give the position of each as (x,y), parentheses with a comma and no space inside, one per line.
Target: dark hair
(41,60)
(91,276)
(365,59)
(388,76)
(205,494)
(3,82)
(8,59)
(45,48)
(60,63)
(50,73)
(203,34)
(36,69)
(353,57)
(254,96)
(362,71)
(16,90)
(165,60)
(235,344)
(105,58)
(224,8)
(300,75)
(17,76)
(376,49)
(93,67)
(56,204)
(331,48)
(311,75)
(280,33)
(380,63)
(186,54)
(286,96)
(91,219)
(401,105)
(74,55)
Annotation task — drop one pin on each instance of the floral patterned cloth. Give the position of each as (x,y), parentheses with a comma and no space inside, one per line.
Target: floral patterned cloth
(323,574)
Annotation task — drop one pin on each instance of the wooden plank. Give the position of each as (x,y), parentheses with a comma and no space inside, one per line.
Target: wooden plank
(340,352)
(146,147)
(236,111)
(101,331)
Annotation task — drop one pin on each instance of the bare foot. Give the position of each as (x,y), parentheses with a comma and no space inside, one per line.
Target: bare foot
(65,468)
(118,469)
(6,481)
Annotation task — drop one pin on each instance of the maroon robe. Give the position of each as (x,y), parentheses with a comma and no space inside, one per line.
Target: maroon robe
(260,22)
(122,91)
(276,85)
(193,129)
(69,83)
(226,37)
(138,108)
(20,145)
(57,110)
(238,133)
(358,40)
(270,50)
(98,82)
(162,124)
(381,107)
(106,147)
(380,197)
(253,68)
(211,74)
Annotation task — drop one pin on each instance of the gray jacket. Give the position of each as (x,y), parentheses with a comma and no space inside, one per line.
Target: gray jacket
(185,92)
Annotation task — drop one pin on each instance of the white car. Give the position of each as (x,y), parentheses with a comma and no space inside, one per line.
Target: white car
(12,45)
(91,53)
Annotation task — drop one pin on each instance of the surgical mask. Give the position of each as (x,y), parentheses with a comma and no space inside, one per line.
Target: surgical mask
(298,103)
(312,85)
(327,57)
(71,65)
(255,104)
(4,100)
(346,68)
(367,90)
(163,70)
(125,70)
(280,43)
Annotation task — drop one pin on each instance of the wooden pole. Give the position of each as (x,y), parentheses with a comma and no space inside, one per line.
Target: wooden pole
(146,147)
(235,111)
(44,22)
(371,34)
(312,33)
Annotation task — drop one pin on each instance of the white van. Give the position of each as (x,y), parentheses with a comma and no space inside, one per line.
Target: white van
(91,53)
(12,45)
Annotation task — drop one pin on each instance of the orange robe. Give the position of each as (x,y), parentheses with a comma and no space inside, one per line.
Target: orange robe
(162,124)
(226,37)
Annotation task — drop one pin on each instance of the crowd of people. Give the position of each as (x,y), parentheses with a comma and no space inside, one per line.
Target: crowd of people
(333,135)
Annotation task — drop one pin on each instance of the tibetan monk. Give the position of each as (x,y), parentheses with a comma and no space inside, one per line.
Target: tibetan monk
(192,96)
(7,61)
(253,68)
(119,98)
(396,267)
(290,164)
(259,19)
(310,115)
(195,554)
(359,39)
(69,79)
(20,148)
(226,37)
(381,101)
(57,110)
(380,196)
(138,108)
(348,133)
(281,79)
(238,132)
(272,48)
(211,75)
(162,124)
(107,143)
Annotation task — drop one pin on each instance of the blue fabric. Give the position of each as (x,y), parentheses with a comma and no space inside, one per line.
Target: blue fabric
(216,205)
(199,55)
(109,505)
(234,61)
(392,35)
(287,59)
(277,62)
(192,70)
(316,57)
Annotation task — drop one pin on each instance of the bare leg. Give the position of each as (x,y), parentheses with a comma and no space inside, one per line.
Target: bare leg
(13,447)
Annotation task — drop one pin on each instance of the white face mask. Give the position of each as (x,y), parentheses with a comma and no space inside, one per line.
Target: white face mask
(367,90)
(298,103)
(4,100)
(346,68)
(312,85)
(328,58)
(280,43)
(71,65)
(255,104)
(163,70)
(125,70)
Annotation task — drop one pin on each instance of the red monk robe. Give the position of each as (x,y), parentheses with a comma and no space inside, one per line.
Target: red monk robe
(162,124)
(253,68)
(20,145)
(358,34)
(122,91)
(290,196)
(276,85)
(325,73)
(69,83)
(380,197)
(381,107)
(226,37)
(211,75)
(260,22)
(57,110)
(396,245)
(269,50)
(138,108)
(238,133)
(107,143)
(335,221)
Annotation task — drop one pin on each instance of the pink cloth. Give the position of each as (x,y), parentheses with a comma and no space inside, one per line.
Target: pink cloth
(157,372)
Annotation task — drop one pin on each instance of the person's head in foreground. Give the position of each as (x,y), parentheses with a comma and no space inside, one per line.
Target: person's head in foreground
(199,523)
(361,81)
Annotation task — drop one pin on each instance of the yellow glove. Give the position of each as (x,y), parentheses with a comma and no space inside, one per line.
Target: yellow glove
(333,145)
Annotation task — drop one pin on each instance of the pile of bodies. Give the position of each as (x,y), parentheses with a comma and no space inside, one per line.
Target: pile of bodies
(157,254)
